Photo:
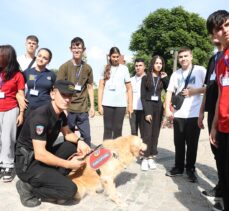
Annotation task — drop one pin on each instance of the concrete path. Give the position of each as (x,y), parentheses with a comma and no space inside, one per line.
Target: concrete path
(142,191)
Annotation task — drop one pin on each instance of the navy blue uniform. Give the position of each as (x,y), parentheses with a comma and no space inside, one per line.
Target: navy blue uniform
(40,81)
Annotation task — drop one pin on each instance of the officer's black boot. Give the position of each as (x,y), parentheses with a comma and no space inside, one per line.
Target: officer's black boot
(27,197)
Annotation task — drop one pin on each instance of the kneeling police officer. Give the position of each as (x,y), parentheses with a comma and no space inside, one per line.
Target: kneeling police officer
(41,165)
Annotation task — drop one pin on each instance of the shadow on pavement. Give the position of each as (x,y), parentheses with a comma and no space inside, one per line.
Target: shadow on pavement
(189,193)
(124,177)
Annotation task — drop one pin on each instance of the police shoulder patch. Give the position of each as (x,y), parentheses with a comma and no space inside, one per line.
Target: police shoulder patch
(39,129)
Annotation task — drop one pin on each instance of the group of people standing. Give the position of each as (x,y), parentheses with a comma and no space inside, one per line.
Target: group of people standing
(34,103)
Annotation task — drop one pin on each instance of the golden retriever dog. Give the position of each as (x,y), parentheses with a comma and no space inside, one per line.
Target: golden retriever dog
(124,151)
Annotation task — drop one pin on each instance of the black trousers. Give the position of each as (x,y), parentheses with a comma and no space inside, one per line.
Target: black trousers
(223,160)
(152,130)
(213,148)
(186,132)
(48,181)
(136,122)
(113,121)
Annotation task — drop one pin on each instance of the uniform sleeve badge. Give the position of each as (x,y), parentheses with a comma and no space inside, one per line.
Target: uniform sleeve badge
(39,129)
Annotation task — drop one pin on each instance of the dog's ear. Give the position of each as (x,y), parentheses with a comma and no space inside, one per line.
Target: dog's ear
(135,147)
(135,150)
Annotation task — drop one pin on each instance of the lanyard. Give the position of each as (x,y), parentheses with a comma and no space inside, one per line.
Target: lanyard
(226,62)
(217,56)
(155,85)
(113,74)
(37,77)
(78,73)
(1,80)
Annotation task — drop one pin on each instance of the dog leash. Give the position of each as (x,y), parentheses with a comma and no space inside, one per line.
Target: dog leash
(89,153)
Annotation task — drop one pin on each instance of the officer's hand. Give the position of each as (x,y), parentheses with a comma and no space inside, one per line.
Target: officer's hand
(83,148)
(75,163)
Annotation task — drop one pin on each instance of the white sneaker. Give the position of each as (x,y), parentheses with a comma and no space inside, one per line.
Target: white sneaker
(144,165)
(152,163)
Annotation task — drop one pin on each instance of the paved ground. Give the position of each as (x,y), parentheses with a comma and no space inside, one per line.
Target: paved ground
(145,191)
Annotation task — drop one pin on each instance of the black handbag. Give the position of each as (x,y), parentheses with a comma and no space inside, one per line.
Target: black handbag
(178,99)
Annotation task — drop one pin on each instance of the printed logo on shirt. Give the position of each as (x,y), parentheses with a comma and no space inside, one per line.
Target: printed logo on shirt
(49,78)
(39,129)
(192,80)
(31,77)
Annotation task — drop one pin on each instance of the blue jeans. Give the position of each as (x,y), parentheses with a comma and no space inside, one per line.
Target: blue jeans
(80,120)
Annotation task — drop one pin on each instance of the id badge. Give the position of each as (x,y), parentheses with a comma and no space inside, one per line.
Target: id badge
(34,92)
(225,81)
(78,87)
(154,98)
(212,77)
(112,87)
(2,95)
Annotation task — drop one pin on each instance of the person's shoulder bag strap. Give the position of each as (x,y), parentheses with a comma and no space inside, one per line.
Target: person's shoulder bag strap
(31,63)
(188,77)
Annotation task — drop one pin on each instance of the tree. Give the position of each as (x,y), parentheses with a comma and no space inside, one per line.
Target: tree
(165,30)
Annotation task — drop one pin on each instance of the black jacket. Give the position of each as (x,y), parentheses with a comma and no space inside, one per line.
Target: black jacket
(146,93)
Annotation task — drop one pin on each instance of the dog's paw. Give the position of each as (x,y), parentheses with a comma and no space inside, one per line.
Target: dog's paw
(122,204)
(99,188)
(119,201)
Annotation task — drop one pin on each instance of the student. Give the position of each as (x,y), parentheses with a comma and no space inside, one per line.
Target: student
(218,26)
(152,84)
(41,166)
(186,130)
(137,117)
(208,105)
(27,60)
(79,73)
(39,81)
(11,83)
(113,94)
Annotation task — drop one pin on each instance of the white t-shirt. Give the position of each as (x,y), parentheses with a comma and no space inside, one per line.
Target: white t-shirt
(191,105)
(114,93)
(24,62)
(136,86)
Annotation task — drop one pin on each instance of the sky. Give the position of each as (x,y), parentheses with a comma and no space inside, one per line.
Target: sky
(101,23)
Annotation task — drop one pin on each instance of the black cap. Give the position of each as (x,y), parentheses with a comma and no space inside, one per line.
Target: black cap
(65,87)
